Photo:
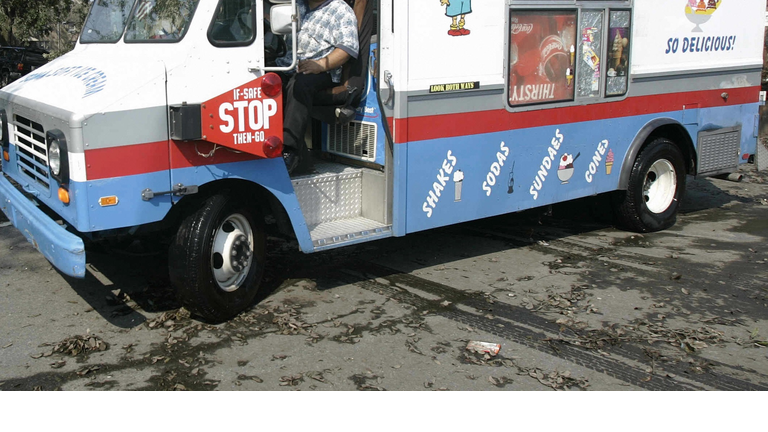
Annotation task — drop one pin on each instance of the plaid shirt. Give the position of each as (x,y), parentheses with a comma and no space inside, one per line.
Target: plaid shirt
(331,25)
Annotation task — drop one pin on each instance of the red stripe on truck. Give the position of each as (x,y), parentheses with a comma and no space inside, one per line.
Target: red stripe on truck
(156,156)
(463,124)
(126,160)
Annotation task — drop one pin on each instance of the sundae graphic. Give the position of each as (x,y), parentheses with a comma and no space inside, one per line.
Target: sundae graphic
(700,11)
(458,180)
(609,162)
(565,171)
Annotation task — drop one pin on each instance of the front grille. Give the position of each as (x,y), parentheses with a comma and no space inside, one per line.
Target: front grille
(31,150)
(356,140)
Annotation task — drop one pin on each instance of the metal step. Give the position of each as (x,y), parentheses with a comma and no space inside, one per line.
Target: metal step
(347,231)
(332,193)
(331,200)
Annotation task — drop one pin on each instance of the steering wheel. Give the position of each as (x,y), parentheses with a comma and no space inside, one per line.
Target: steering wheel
(274,45)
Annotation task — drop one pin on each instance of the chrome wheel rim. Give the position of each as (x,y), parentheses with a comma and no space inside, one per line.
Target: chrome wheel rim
(232,253)
(660,186)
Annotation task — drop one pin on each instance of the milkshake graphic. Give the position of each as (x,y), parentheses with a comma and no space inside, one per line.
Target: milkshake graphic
(565,171)
(609,162)
(458,180)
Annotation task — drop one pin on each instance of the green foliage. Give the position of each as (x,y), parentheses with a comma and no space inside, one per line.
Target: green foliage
(23,19)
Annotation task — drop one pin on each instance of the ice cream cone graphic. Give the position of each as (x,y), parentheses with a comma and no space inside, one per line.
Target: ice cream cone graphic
(609,162)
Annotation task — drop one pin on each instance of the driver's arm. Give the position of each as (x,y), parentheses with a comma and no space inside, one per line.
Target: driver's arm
(336,58)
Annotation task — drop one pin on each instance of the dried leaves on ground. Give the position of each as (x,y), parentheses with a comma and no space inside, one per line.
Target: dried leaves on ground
(75,346)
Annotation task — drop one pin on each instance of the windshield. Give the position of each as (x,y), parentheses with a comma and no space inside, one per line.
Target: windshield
(160,20)
(106,21)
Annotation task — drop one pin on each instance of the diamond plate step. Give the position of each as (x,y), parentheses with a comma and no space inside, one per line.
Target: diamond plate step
(353,230)
(333,193)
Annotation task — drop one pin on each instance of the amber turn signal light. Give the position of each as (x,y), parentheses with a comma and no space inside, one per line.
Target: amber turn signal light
(6,156)
(64,195)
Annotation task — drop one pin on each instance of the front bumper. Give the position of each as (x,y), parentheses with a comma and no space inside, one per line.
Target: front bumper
(63,249)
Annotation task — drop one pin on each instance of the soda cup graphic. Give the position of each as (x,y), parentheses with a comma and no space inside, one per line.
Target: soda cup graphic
(458,180)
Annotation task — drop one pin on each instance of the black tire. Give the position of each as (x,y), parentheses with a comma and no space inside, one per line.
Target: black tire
(655,190)
(194,265)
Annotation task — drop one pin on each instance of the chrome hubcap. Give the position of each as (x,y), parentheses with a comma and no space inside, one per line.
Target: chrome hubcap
(232,254)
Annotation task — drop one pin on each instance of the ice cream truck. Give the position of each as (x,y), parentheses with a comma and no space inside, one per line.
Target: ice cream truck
(166,119)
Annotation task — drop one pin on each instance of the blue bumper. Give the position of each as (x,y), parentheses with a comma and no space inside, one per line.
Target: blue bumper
(62,248)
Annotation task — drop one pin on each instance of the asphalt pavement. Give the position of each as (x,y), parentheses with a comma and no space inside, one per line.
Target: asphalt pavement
(572,303)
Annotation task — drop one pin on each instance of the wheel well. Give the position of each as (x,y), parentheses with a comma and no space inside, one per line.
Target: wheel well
(275,217)
(678,135)
(659,128)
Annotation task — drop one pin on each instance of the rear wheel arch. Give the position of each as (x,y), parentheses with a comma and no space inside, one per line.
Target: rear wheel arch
(667,128)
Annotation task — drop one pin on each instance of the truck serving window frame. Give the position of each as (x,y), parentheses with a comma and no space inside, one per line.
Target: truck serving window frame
(607,7)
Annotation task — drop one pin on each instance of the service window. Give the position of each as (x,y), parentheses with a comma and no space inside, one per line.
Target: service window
(618,53)
(589,62)
(541,56)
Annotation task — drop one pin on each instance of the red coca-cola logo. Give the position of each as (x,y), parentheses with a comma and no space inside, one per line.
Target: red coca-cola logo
(551,45)
(554,59)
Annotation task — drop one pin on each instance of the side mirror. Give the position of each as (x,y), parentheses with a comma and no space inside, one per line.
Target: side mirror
(280,19)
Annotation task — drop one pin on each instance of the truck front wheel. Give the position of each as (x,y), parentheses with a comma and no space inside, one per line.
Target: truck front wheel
(216,260)
(655,189)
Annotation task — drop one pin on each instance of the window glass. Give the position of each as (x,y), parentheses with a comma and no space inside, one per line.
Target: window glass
(233,23)
(618,53)
(589,64)
(160,20)
(541,56)
(106,21)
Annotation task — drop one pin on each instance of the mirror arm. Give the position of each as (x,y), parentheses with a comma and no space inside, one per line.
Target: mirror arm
(294,44)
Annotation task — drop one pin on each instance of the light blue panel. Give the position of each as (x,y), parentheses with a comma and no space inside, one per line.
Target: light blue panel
(516,170)
(269,173)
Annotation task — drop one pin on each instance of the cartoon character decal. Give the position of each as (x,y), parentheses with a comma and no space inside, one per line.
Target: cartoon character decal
(457,9)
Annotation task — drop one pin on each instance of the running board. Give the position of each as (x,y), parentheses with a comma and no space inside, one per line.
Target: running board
(344,232)
(332,203)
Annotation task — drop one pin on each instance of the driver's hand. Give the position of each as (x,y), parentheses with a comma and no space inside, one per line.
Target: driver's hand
(310,67)
(445,3)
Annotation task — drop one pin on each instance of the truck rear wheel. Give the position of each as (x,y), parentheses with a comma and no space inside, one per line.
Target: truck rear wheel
(216,259)
(656,187)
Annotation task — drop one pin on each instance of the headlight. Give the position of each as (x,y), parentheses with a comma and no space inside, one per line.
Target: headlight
(58,158)
(54,157)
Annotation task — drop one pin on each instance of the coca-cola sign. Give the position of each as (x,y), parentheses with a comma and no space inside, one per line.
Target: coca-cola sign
(522,28)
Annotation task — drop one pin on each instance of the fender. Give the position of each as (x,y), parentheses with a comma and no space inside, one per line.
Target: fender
(640,139)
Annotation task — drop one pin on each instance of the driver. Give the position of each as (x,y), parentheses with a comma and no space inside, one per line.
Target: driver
(328,38)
